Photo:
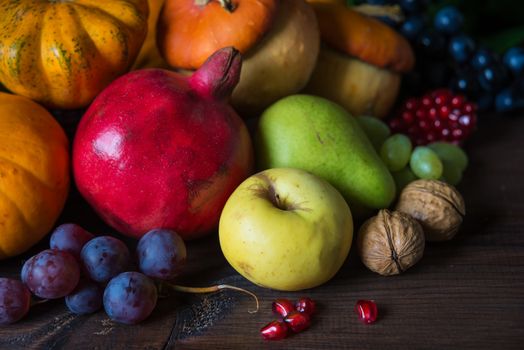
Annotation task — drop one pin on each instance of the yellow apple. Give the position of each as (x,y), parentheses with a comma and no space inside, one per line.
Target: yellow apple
(286,229)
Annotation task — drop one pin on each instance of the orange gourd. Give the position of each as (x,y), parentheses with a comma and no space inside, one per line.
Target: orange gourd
(63,53)
(189,31)
(34,173)
(362,37)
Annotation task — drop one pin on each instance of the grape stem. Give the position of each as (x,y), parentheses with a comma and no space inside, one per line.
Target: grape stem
(37,302)
(212,289)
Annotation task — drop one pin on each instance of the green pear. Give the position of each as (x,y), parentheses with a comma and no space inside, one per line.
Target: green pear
(319,136)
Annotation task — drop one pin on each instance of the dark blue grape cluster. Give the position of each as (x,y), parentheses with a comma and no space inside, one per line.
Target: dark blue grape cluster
(447,57)
(91,272)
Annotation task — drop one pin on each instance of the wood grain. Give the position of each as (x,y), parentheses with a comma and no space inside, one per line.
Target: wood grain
(467,293)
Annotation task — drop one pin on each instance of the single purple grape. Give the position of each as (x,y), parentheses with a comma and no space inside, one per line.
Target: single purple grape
(70,238)
(51,274)
(161,254)
(86,298)
(130,297)
(104,257)
(448,20)
(412,27)
(15,300)
(461,48)
(514,59)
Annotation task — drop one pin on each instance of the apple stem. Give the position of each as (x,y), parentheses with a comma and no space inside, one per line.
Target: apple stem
(212,289)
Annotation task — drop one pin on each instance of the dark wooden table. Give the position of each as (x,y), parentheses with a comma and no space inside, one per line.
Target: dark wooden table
(465,293)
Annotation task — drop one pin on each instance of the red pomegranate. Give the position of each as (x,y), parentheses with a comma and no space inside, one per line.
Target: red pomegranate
(157,149)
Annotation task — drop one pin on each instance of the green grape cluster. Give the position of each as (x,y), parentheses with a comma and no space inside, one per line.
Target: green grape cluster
(438,161)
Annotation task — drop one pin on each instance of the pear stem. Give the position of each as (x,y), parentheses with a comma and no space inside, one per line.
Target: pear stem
(212,289)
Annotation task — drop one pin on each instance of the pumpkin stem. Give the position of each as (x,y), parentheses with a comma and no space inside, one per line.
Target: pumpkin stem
(226,4)
(393,12)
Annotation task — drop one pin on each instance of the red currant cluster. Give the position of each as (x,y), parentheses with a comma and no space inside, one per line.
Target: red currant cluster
(293,317)
(439,115)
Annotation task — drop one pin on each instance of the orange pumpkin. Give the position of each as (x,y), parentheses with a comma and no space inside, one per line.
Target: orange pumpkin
(189,31)
(361,61)
(63,53)
(34,173)
(149,56)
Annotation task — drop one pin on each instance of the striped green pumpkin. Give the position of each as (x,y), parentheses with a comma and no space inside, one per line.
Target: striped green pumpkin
(63,53)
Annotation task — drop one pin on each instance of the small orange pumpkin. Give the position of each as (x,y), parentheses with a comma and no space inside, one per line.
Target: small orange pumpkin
(34,173)
(189,31)
(63,53)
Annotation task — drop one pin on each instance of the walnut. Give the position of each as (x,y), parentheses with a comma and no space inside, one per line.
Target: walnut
(390,242)
(438,207)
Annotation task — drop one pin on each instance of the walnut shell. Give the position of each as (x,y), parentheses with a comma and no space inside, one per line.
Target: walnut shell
(438,207)
(390,242)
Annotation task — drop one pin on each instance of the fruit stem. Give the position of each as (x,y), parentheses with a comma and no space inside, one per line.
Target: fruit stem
(37,302)
(212,289)
(219,74)
(393,12)
(226,4)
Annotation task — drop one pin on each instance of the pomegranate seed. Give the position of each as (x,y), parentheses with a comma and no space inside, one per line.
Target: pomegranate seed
(443,111)
(426,101)
(298,321)
(432,113)
(454,115)
(420,114)
(366,311)
(282,307)
(457,101)
(465,120)
(423,125)
(408,117)
(274,330)
(469,107)
(306,305)
(457,134)
(430,137)
(441,99)
(411,104)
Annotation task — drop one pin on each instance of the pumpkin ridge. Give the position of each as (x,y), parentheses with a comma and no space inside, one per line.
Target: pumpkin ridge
(39,59)
(5,250)
(30,173)
(79,61)
(121,27)
(22,217)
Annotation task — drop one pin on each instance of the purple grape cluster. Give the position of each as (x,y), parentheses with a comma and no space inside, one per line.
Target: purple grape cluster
(90,272)
(447,57)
